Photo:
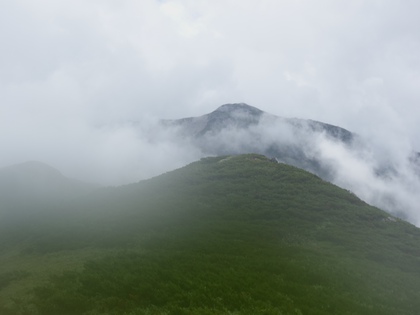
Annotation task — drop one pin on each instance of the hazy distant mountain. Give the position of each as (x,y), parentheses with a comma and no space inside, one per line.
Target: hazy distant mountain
(34,184)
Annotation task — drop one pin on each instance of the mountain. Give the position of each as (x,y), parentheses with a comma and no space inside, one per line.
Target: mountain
(243,116)
(224,235)
(380,175)
(36,185)
(241,128)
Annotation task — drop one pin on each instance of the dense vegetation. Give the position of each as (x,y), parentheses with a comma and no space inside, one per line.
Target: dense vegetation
(225,235)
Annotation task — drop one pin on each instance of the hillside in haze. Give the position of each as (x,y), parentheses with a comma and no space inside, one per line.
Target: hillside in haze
(34,185)
(224,235)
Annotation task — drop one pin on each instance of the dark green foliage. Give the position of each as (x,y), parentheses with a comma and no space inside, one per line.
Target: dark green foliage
(228,235)
(8,277)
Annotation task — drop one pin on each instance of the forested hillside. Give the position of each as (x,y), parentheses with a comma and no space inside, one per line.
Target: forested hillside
(224,235)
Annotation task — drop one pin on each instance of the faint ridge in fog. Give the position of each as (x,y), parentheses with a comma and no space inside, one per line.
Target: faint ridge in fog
(35,183)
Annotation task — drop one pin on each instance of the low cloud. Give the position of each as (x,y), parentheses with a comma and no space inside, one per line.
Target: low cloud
(377,175)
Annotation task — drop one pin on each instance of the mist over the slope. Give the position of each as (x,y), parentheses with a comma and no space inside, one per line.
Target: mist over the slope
(376,174)
(108,154)
(379,174)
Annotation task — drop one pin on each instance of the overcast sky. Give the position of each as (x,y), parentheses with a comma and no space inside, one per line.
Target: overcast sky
(67,68)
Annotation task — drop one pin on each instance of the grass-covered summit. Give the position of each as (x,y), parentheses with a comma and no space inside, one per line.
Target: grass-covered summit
(224,235)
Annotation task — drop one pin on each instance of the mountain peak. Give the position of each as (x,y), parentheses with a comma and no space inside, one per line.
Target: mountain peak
(234,107)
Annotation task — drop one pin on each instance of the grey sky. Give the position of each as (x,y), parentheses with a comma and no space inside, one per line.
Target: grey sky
(69,67)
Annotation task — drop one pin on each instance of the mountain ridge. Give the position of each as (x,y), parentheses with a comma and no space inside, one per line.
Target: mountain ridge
(238,128)
(245,115)
(34,184)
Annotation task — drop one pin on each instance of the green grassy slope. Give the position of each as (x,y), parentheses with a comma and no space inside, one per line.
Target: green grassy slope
(226,235)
